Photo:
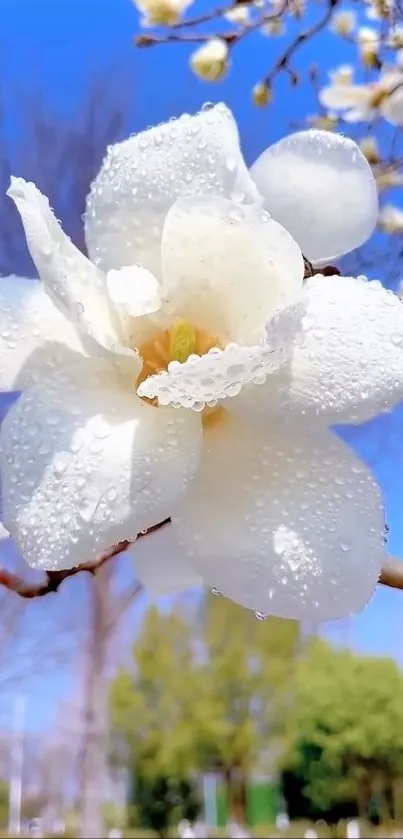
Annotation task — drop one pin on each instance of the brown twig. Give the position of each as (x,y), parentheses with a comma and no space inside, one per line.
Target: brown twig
(391,574)
(53,579)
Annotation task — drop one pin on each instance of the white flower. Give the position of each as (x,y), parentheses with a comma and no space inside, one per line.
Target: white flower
(273,28)
(395,37)
(368,43)
(363,102)
(162,12)
(370,149)
(388,177)
(251,368)
(238,14)
(379,9)
(391,219)
(210,61)
(343,74)
(344,22)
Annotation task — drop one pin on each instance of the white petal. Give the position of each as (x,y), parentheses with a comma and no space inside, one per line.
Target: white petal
(347,362)
(321,188)
(75,285)
(220,373)
(134,291)
(35,338)
(227,267)
(141,178)
(159,565)
(288,522)
(84,468)
(340,96)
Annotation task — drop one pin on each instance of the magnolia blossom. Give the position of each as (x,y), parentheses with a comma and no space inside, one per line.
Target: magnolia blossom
(210,61)
(161,12)
(344,22)
(391,219)
(185,370)
(363,102)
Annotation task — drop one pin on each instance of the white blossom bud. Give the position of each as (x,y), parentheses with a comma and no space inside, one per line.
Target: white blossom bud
(161,12)
(343,23)
(262,94)
(210,61)
(238,14)
(391,219)
(370,149)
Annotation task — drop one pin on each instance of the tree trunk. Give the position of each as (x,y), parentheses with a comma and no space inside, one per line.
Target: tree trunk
(93,761)
(235,781)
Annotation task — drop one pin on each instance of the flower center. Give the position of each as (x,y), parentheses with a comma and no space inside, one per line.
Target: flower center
(176,344)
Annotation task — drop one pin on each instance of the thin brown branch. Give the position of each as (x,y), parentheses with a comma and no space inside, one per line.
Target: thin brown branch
(231,37)
(392,574)
(283,62)
(53,579)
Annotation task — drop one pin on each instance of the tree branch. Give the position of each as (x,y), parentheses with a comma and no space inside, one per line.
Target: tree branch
(53,579)
(392,574)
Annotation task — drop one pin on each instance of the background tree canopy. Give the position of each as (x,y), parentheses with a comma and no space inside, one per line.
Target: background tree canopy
(231,694)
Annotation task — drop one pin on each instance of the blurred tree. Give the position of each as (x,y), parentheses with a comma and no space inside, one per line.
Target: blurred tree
(201,697)
(4,796)
(162,801)
(247,678)
(156,708)
(345,729)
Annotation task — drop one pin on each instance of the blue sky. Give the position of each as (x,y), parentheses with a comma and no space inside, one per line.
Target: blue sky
(57,48)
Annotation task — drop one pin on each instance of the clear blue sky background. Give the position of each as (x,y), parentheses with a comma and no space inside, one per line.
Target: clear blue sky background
(58,47)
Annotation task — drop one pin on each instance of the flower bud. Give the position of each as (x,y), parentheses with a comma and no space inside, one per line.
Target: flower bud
(262,94)
(210,61)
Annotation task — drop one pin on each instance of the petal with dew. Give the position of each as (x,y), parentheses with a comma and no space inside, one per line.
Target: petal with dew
(227,267)
(159,564)
(203,380)
(347,361)
(321,188)
(142,177)
(75,285)
(287,522)
(35,338)
(86,465)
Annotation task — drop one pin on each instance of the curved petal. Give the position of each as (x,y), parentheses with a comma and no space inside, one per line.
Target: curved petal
(86,465)
(287,522)
(35,338)
(134,291)
(227,267)
(75,285)
(160,566)
(347,362)
(141,178)
(321,188)
(220,373)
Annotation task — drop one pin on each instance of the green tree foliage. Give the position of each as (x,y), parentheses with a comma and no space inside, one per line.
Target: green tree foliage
(162,801)
(205,692)
(345,731)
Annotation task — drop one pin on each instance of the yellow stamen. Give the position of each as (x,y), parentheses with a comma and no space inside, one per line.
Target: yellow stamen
(177,344)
